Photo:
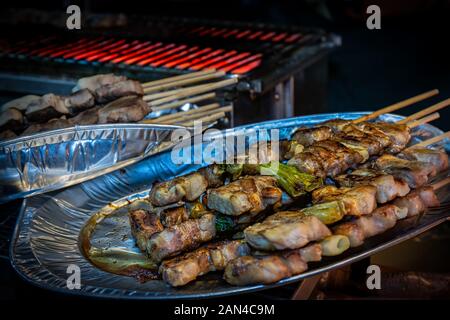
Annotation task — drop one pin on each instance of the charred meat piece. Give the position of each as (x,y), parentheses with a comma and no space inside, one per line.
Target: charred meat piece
(188,187)
(52,124)
(86,117)
(414,173)
(48,107)
(399,134)
(250,194)
(11,119)
(308,162)
(357,201)
(382,219)
(79,101)
(173,216)
(185,236)
(122,110)
(436,158)
(337,125)
(94,82)
(212,257)
(371,131)
(20,104)
(348,156)
(308,136)
(388,188)
(270,268)
(116,90)
(360,139)
(285,230)
(417,201)
(144,224)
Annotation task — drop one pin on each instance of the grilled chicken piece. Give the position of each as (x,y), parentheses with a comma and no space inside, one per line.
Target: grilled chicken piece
(382,219)
(173,216)
(414,173)
(144,224)
(285,230)
(399,134)
(337,125)
(308,136)
(86,117)
(212,257)
(20,104)
(250,194)
(48,107)
(388,188)
(116,90)
(310,163)
(185,236)
(360,139)
(270,268)
(79,101)
(94,82)
(357,201)
(436,158)
(370,131)
(11,119)
(417,201)
(125,109)
(347,155)
(289,148)
(188,187)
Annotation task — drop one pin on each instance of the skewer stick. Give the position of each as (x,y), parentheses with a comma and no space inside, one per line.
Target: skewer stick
(202,109)
(397,106)
(426,111)
(210,118)
(184,118)
(178,103)
(177,78)
(195,90)
(424,120)
(440,184)
(184,82)
(430,141)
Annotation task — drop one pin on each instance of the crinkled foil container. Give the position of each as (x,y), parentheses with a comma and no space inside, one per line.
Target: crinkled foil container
(57,159)
(46,238)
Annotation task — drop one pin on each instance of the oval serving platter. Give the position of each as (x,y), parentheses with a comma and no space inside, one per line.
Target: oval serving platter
(46,238)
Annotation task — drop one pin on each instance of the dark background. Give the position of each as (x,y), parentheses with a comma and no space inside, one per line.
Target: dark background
(372,69)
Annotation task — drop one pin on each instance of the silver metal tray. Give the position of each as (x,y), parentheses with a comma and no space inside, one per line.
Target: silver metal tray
(46,238)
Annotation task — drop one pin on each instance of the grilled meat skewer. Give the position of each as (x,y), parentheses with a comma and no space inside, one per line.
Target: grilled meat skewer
(385,217)
(270,268)
(185,268)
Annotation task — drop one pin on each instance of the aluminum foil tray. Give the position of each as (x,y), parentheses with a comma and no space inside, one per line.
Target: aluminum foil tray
(46,238)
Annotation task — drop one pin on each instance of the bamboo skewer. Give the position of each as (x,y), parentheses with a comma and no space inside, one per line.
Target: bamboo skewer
(426,111)
(184,82)
(397,106)
(440,184)
(419,122)
(177,78)
(183,113)
(210,118)
(184,118)
(178,103)
(194,90)
(431,141)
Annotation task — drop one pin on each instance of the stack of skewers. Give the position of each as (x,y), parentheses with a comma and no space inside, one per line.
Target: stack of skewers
(107,98)
(258,234)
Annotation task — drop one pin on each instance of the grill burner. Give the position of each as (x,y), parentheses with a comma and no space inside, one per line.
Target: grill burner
(145,53)
(274,64)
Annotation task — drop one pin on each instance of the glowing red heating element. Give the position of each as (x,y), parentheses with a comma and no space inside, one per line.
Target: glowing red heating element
(143,53)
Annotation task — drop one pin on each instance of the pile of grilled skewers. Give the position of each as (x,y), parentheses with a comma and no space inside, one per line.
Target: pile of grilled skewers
(107,98)
(377,181)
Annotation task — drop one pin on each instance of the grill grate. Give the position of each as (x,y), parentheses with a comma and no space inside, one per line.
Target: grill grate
(233,50)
